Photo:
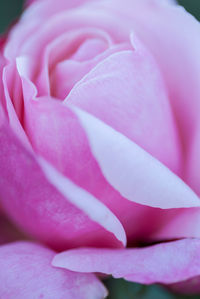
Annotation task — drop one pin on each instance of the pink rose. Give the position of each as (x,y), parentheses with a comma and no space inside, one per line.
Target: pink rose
(100,140)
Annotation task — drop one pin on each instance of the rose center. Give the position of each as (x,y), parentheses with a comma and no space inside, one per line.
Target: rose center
(66,73)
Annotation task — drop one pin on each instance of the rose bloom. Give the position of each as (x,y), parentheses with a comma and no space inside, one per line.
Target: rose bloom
(100,141)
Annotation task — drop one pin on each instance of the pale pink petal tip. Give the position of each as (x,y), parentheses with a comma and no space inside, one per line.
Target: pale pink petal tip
(133,172)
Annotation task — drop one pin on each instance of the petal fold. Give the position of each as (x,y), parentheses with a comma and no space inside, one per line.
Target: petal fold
(132,171)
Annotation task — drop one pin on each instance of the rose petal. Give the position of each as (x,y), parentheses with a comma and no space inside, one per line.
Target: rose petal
(14,105)
(132,171)
(26,272)
(184,223)
(46,119)
(126,91)
(163,263)
(85,17)
(46,8)
(85,201)
(38,207)
(59,51)
(176,47)
(57,135)
(51,128)
(32,19)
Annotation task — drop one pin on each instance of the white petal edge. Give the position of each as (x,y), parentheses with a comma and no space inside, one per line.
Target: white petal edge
(85,201)
(133,172)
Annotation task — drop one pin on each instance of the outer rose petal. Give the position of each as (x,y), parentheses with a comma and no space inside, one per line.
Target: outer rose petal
(77,163)
(45,8)
(39,208)
(176,47)
(85,201)
(52,126)
(177,55)
(54,20)
(163,263)
(26,273)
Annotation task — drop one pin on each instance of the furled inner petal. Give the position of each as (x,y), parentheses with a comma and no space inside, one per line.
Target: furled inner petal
(14,101)
(78,55)
(61,49)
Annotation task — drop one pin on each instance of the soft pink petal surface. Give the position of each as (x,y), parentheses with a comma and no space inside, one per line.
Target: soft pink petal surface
(132,171)
(32,19)
(13,101)
(126,91)
(51,126)
(42,133)
(51,119)
(153,264)
(185,223)
(26,273)
(176,47)
(85,201)
(38,207)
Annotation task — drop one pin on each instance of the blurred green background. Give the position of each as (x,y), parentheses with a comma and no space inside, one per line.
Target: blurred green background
(9,11)
(118,288)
